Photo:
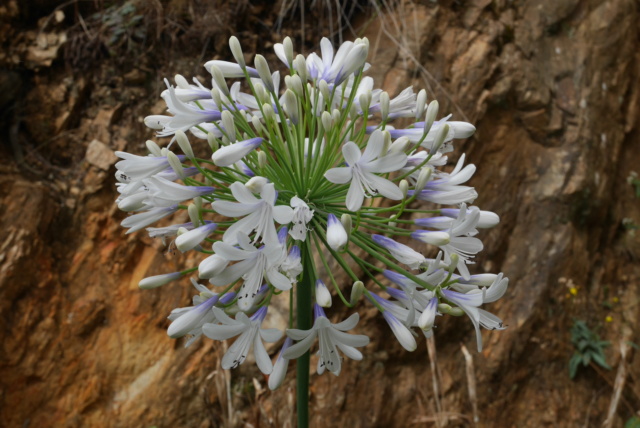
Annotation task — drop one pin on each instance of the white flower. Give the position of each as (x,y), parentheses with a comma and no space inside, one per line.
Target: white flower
(186,115)
(457,130)
(144,219)
(164,193)
(134,168)
(158,280)
(292,265)
(280,367)
(260,213)
(253,265)
(469,304)
(401,252)
(403,105)
(191,239)
(349,58)
(402,333)
(447,190)
(251,336)
(361,168)
(331,337)
(191,318)
(496,290)
(428,317)
(302,215)
(211,266)
(336,235)
(228,155)
(230,69)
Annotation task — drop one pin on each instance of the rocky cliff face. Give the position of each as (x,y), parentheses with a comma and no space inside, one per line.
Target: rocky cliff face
(553,89)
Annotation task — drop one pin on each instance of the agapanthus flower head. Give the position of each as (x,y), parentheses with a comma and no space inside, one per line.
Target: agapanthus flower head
(298,185)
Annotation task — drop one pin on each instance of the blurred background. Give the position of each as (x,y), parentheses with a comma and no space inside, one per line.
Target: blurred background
(553,88)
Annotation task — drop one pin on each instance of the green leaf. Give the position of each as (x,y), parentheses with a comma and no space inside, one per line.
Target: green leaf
(600,360)
(634,422)
(573,365)
(586,359)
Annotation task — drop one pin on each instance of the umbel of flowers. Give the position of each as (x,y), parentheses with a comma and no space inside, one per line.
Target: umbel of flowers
(306,174)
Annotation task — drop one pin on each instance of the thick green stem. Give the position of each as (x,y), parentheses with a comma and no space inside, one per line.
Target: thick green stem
(303,306)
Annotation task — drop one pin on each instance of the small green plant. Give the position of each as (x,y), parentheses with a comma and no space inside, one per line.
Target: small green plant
(634,422)
(588,347)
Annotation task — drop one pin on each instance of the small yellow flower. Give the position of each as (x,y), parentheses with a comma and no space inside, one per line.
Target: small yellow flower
(573,291)
(608,318)
(615,300)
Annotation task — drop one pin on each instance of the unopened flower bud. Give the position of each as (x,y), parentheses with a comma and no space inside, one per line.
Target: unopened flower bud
(260,93)
(212,266)
(404,187)
(291,106)
(432,112)
(153,148)
(158,280)
(288,50)
(267,111)
(214,144)
(255,184)
(198,202)
(219,80)
(433,238)
(189,240)
(300,66)
(421,103)
(181,82)
(384,105)
(262,159)
(327,121)
(263,70)
(324,90)
(335,115)
(255,121)
(454,262)
(229,125)
(393,224)
(216,96)
(456,312)
(365,101)
(295,84)
(444,308)
(185,145)
(336,234)
(323,297)
(236,51)
(356,292)
(353,112)
(175,164)
(387,143)
(440,137)
(194,215)
(347,223)
(423,178)
(400,145)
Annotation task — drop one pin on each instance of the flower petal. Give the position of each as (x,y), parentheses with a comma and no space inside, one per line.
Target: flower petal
(355,196)
(338,175)
(351,153)
(383,186)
